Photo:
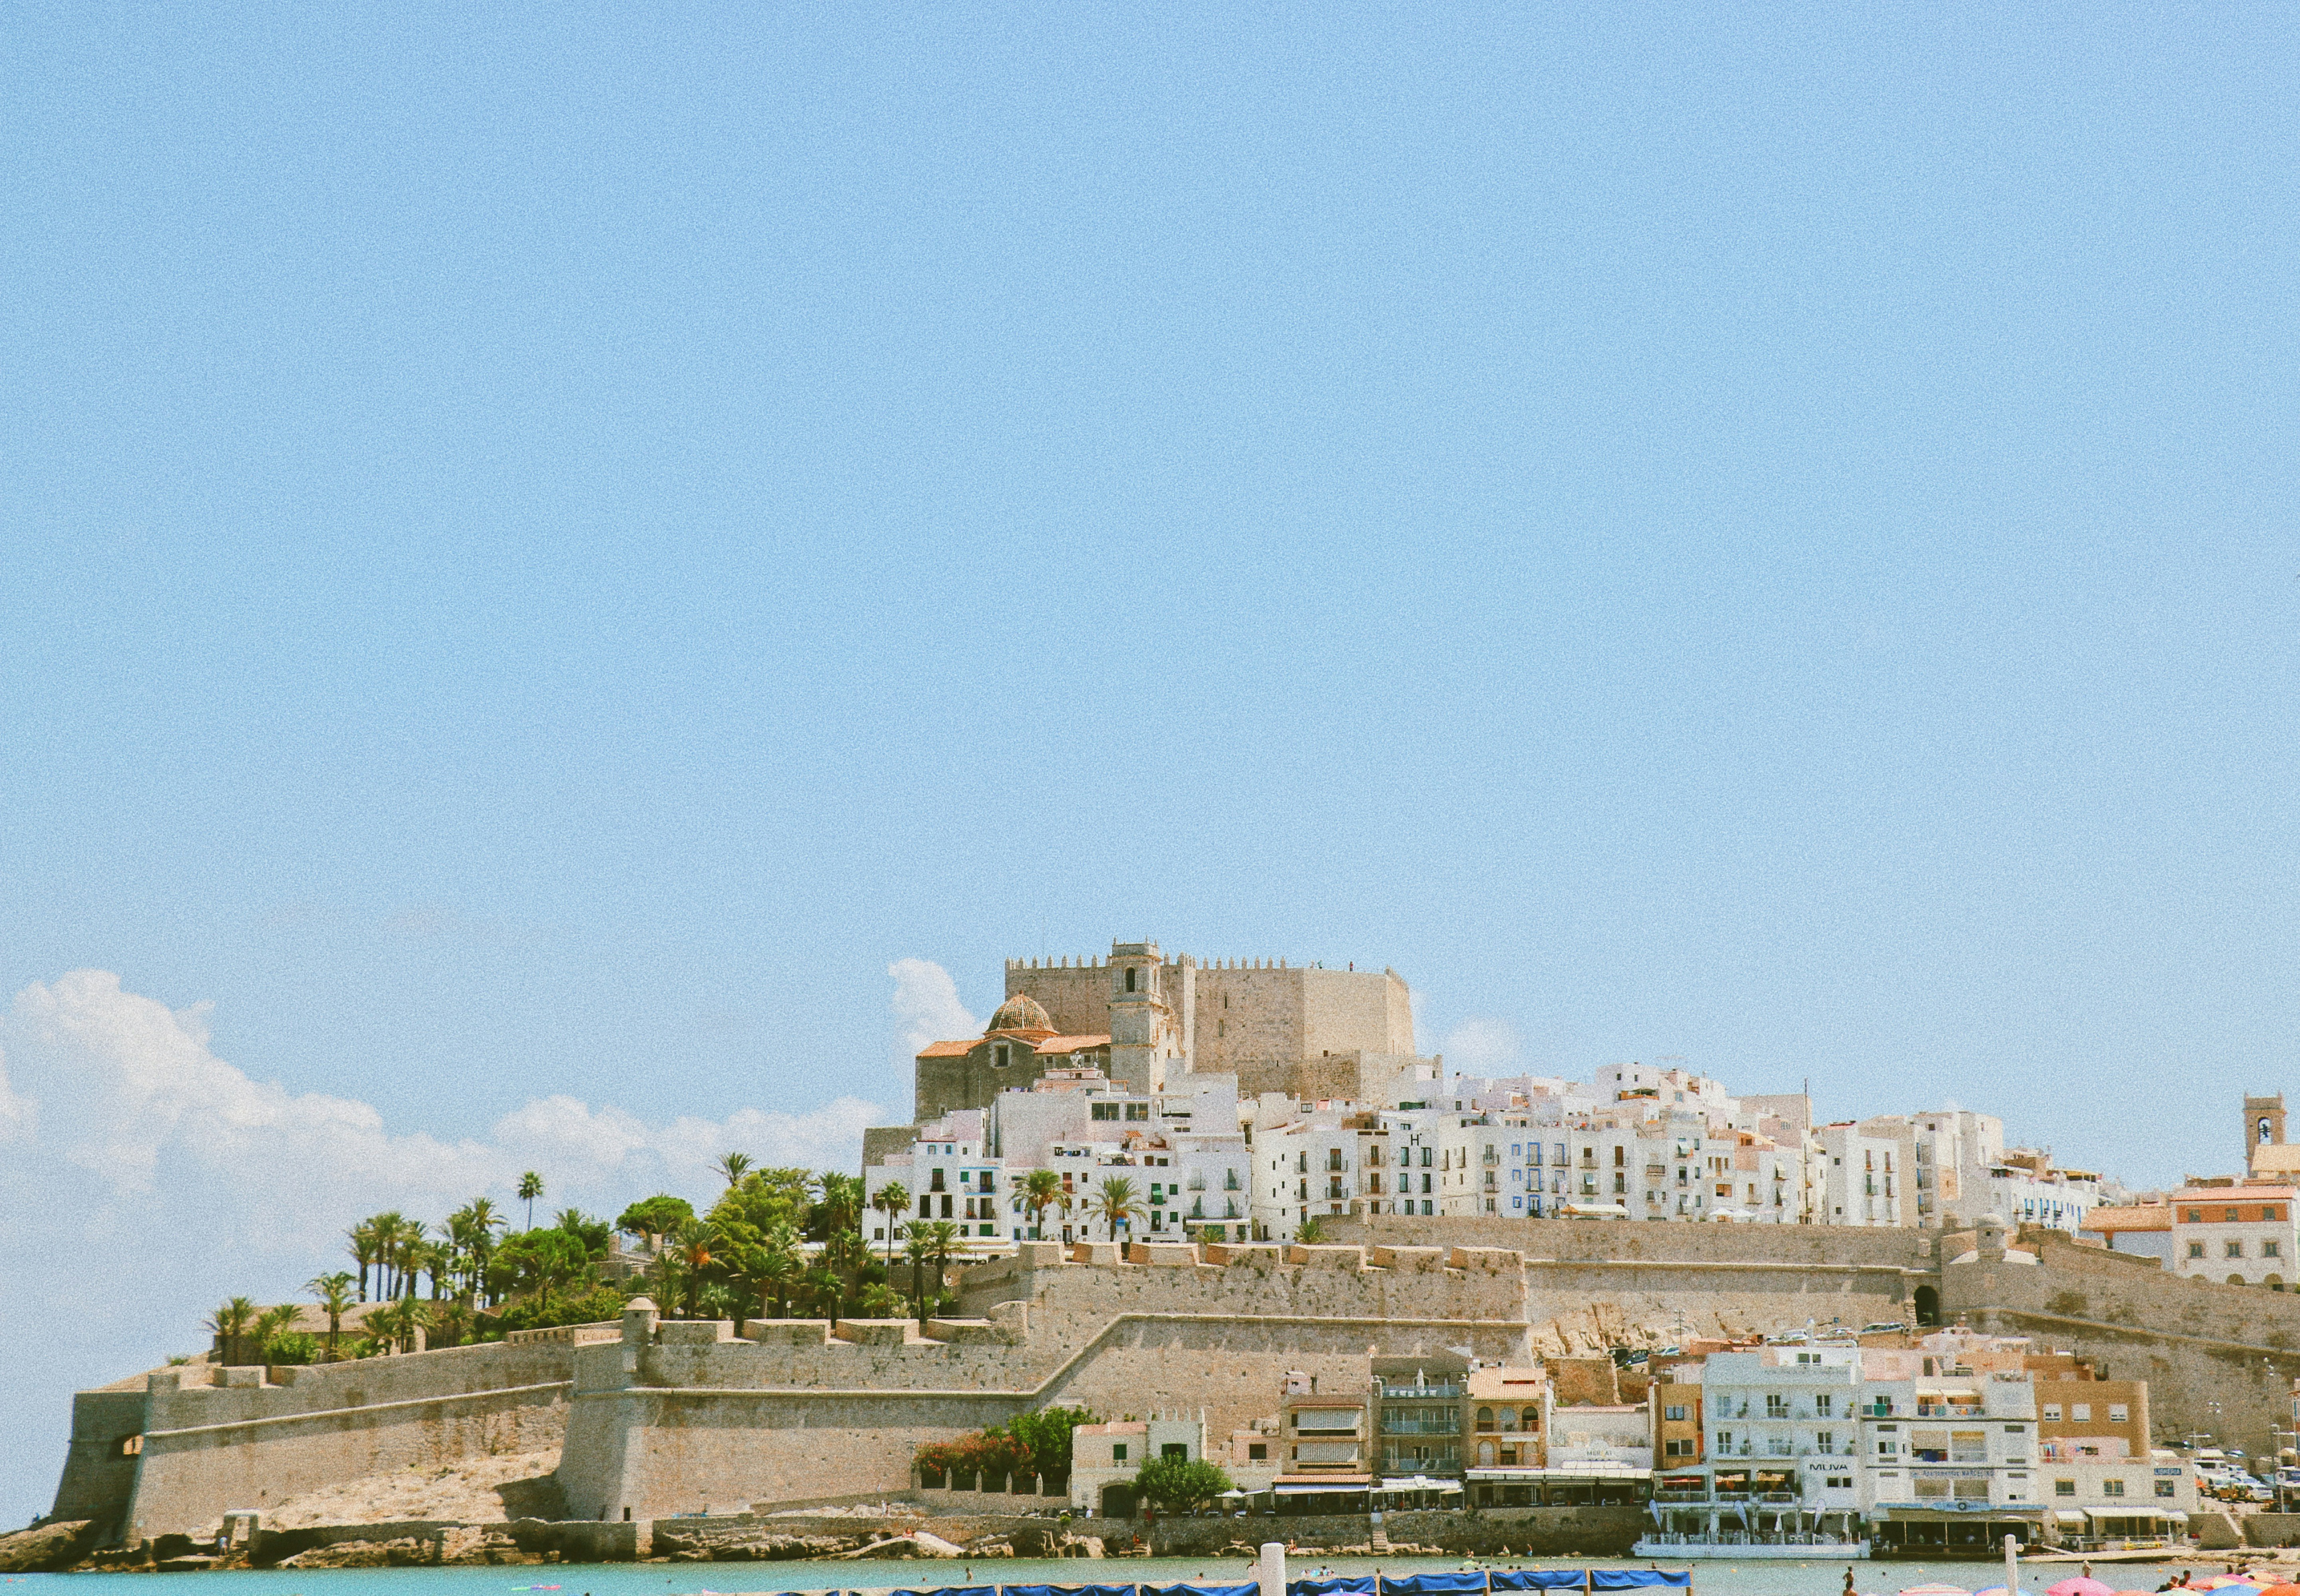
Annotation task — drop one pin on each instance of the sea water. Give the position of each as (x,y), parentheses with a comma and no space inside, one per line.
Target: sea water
(1757,1578)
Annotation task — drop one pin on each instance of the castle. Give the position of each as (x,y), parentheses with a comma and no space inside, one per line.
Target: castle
(1146,1020)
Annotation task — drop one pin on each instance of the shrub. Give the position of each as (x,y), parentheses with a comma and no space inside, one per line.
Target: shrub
(1180,1483)
(292,1347)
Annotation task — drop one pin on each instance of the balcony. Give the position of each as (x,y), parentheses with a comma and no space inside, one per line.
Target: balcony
(1411,1393)
(1421,1427)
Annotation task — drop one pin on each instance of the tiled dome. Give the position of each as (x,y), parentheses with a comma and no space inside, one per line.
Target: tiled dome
(1021,1012)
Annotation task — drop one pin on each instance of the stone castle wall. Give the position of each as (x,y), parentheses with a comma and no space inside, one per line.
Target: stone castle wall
(245,1442)
(671,1418)
(2219,1359)
(1243,1018)
(660,1428)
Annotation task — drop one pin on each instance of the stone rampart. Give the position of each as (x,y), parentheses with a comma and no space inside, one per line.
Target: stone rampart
(2219,1359)
(219,1439)
(672,1420)
(1593,1284)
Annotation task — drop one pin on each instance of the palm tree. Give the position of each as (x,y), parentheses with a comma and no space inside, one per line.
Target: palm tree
(1115,1202)
(842,1201)
(826,1288)
(1042,1189)
(334,1294)
(944,1234)
(530,1187)
(270,1322)
(387,1227)
(733,1167)
(230,1325)
(778,1266)
(408,1255)
(693,1251)
(894,1198)
(918,1252)
(362,1238)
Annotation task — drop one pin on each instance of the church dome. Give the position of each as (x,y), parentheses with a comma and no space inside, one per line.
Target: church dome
(1021,1012)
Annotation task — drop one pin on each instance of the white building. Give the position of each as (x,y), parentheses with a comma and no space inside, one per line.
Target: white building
(2240,1235)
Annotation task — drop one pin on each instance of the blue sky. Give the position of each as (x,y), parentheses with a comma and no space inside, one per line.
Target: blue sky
(542,552)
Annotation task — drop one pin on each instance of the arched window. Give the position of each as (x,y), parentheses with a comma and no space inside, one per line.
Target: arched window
(1533,1419)
(1130,978)
(1484,1418)
(1485,1454)
(1509,1421)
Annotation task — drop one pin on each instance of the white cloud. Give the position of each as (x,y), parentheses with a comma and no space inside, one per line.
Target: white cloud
(1481,1046)
(146,1179)
(927,1008)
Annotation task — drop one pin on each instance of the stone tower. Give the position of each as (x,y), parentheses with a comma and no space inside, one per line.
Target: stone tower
(2264,1125)
(1150,1013)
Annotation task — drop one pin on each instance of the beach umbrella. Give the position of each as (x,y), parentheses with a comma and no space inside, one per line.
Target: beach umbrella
(2280,1590)
(2080,1586)
(1936,1589)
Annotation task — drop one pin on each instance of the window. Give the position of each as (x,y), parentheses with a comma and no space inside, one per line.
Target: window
(2229,1215)
(1137,1111)
(1620,1157)
(2196,1216)
(1824,1441)
(1824,1406)
(2081,1412)
(2236,1250)
(1777,1406)
(1129,987)
(1971,1490)
(2196,1250)
(2271,1250)
(2167,1488)
(2111,1487)
(1105,1111)
(1257,1452)
(1968,1446)
(2118,1413)
(1931,1490)
(1174,1449)
(1675,1412)
(2064,1487)
(1118,1448)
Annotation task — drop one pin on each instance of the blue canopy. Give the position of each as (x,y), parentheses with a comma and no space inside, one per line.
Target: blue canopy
(1249,1589)
(1362,1585)
(1639,1579)
(1076,1590)
(1537,1579)
(1431,1585)
(951,1590)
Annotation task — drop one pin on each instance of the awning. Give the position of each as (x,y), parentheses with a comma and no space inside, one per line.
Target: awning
(1316,1487)
(1420,1483)
(2175,1517)
(1565,1471)
(2068,1516)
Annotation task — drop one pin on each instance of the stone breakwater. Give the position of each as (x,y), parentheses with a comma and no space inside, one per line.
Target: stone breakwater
(1535,1531)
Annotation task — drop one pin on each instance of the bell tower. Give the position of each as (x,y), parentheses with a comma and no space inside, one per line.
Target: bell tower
(2264,1125)
(1146,1015)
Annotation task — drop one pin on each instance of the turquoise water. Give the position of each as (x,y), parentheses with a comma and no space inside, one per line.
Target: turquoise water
(725,1579)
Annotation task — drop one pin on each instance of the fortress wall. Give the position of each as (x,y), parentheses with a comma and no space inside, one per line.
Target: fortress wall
(209,1449)
(2218,1358)
(1354,1011)
(1598,1241)
(99,1477)
(1076,998)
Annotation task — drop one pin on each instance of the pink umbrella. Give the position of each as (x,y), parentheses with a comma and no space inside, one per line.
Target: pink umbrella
(2080,1586)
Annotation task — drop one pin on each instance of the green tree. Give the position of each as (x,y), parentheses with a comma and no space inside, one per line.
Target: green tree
(733,1167)
(1115,1202)
(270,1326)
(334,1292)
(1042,1189)
(841,1209)
(1047,1434)
(1179,1484)
(591,1231)
(530,1187)
(653,1217)
(693,1245)
(1309,1232)
(766,1198)
(893,1198)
